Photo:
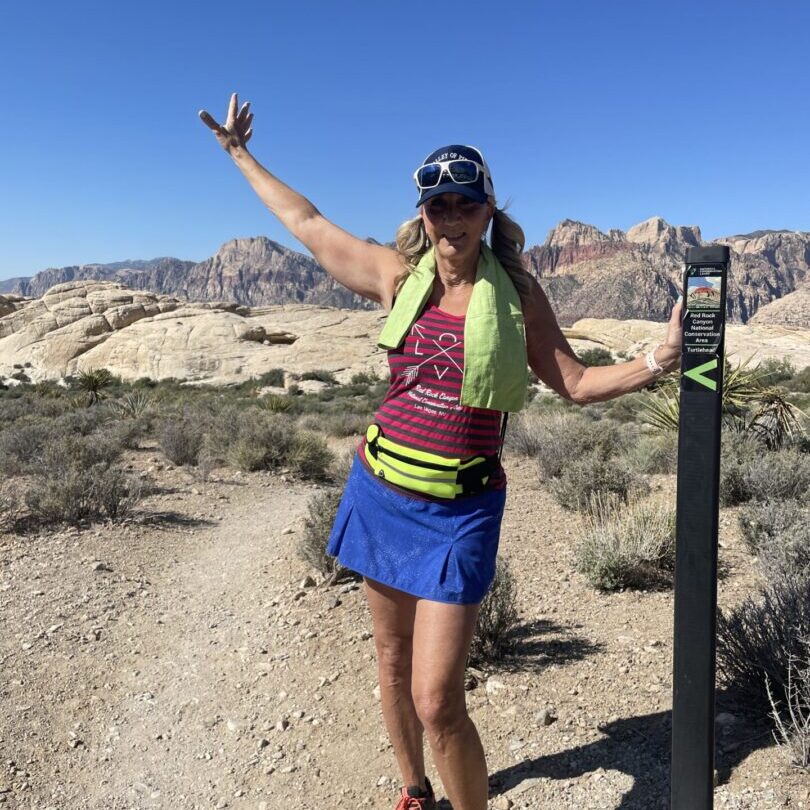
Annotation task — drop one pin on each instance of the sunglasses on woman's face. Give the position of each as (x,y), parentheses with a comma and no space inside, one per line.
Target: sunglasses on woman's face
(460,171)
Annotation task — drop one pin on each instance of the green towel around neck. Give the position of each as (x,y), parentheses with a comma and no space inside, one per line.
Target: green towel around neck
(495,362)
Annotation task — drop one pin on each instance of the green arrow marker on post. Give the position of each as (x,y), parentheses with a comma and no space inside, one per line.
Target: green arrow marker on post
(696,374)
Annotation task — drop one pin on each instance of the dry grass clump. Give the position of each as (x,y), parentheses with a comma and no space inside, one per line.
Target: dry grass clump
(497,618)
(627,545)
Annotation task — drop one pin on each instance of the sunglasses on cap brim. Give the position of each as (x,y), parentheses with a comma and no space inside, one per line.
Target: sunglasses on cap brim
(459,171)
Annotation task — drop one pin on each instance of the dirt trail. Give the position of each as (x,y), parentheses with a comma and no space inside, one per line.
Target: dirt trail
(197,673)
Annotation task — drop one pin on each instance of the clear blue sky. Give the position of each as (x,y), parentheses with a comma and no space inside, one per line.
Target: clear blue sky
(603,112)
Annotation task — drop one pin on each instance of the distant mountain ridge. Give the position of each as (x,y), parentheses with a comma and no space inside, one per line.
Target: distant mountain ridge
(584,271)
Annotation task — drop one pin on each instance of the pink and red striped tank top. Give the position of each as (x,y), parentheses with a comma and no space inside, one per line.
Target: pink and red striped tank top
(421,408)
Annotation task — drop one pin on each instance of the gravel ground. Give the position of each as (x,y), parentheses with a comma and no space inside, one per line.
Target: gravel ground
(178,660)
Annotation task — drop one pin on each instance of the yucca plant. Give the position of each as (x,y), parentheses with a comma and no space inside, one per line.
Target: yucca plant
(661,409)
(93,383)
(275,403)
(132,405)
(777,420)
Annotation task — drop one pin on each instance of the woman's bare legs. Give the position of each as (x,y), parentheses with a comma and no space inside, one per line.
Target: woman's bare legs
(393,614)
(441,642)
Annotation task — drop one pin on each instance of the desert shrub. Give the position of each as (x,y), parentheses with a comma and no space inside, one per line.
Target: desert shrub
(343,424)
(364,378)
(762,521)
(773,372)
(181,438)
(20,443)
(322,509)
(563,437)
(74,479)
(736,450)
(627,545)
(83,422)
(522,432)
(274,377)
(653,453)
(129,431)
(783,474)
(74,494)
(587,475)
(308,455)
(320,374)
(800,382)
(257,441)
(792,718)
(245,456)
(497,618)
(47,389)
(625,408)
(768,475)
(64,452)
(7,511)
(596,357)
(311,548)
(758,639)
(787,555)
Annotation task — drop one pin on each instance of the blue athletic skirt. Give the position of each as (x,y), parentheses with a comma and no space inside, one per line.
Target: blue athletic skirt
(439,550)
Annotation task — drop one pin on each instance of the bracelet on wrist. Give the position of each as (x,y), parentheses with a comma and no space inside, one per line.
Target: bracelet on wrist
(655,367)
(652,364)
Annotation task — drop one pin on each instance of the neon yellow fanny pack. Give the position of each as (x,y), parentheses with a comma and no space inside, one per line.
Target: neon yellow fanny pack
(425,472)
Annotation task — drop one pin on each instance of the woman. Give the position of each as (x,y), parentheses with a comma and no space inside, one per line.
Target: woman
(420,516)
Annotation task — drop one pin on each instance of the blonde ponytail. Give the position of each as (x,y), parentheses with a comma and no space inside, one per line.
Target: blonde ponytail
(507,242)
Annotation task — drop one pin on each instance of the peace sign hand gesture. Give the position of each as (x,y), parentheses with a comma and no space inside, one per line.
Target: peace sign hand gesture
(238,127)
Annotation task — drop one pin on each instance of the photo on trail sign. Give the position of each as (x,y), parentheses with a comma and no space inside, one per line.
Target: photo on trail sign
(703,292)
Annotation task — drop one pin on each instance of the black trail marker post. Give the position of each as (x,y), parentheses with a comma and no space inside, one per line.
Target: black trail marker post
(704,291)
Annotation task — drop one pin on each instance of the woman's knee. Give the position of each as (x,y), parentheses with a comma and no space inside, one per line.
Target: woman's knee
(394,654)
(441,709)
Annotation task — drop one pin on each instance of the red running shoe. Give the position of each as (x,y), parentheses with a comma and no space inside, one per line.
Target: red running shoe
(413,798)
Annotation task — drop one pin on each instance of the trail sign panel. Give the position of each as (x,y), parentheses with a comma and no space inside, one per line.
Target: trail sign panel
(702,362)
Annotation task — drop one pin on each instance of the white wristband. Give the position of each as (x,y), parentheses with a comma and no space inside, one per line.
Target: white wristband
(652,363)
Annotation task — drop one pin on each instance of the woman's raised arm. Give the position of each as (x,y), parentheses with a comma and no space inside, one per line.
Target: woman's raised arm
(367,269)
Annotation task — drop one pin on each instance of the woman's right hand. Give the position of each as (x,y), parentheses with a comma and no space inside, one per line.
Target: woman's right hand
(238,126)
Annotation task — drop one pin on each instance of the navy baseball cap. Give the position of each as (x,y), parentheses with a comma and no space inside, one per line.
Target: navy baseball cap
(478,189)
